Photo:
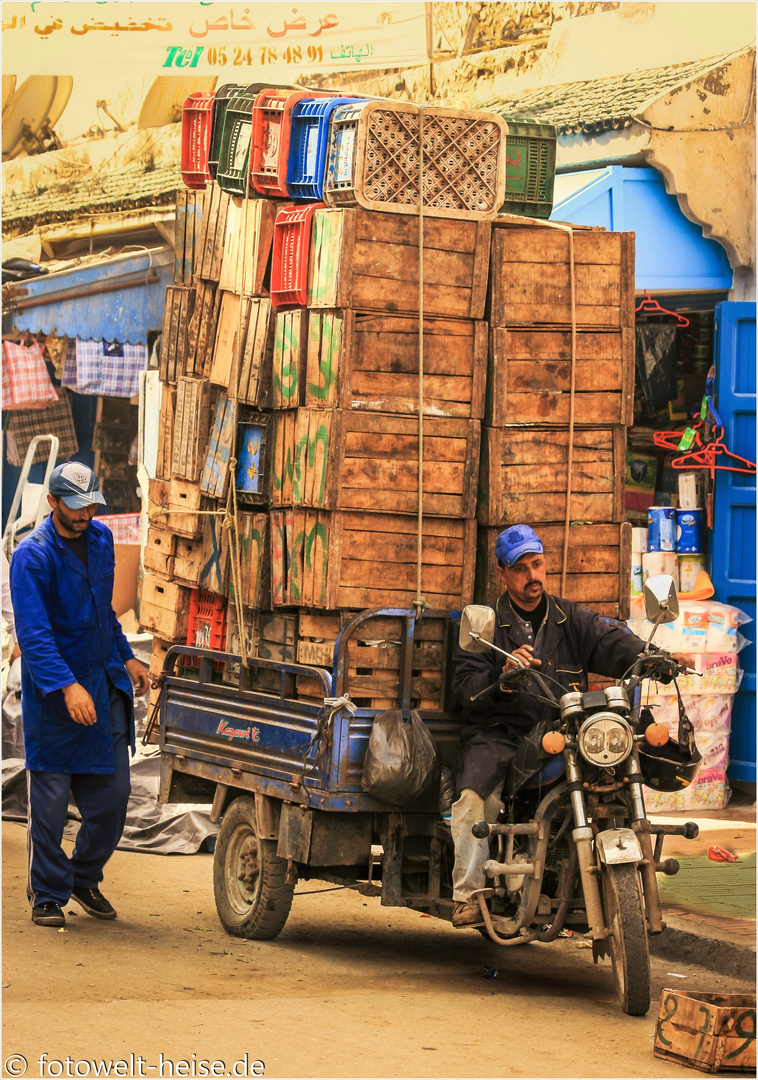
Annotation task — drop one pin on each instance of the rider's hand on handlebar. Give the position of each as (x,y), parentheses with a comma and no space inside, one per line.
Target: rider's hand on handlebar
(525,653)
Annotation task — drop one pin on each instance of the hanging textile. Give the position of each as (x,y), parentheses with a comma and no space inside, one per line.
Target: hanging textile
(26,383)
(105,369)
(56,419)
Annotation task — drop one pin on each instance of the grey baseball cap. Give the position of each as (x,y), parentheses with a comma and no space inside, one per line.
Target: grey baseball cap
(76,484)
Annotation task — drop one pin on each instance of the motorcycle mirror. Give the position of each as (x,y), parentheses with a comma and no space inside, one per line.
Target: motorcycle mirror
(477,628)
(661,601)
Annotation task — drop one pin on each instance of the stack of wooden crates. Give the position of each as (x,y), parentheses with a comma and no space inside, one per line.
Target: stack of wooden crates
(289,440)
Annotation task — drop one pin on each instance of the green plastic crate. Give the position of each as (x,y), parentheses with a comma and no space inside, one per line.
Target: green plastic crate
(530,168)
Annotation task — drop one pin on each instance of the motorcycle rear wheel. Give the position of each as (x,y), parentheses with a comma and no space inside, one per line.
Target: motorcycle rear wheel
(625,918)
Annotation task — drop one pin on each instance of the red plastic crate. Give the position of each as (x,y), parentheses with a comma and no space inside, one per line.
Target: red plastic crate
(289,266)
(197,113)
(206,628)
(272,119)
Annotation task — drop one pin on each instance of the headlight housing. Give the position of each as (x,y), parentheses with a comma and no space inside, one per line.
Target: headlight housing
(605,740)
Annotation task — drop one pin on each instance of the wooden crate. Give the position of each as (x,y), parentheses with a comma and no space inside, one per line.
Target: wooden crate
(289,359)
(201,332)
(210,245)
(369,262)
(233,641)
(157,503)
(177,312)
(247,247)
(244,347)
(188,559)
(214,559)
(335,459)
(166,433)
(184,505)
(164,608)
(159,553)
(191,427)
(255,561)
(598,570)
(216,470)
(530,280)
(277,640)
(709,1032)
(374,659)
(370,362)
(343,559)
(524,475)
(529,377)
(186,230)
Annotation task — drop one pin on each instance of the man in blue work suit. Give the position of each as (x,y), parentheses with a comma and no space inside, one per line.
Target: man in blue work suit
(77,671)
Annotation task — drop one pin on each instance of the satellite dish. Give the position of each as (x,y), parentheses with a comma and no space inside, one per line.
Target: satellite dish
(165,98)
(9,85)
(33,110)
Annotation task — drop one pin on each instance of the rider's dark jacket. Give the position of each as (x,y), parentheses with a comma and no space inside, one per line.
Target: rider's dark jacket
(574,641)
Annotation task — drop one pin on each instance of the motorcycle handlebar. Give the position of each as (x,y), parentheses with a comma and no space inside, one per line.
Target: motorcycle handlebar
(505,678)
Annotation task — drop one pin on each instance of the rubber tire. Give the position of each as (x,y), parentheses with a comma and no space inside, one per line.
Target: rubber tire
(258,910)
(625,918)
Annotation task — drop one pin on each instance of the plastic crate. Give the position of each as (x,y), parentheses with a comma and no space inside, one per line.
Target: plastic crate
(373,160)
(196,129)
(220,103)
(530,168)
(272,121)
(289,265)
(308,145)
(236,135)
(206,627)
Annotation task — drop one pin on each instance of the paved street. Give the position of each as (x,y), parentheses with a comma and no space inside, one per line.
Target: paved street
(348,989)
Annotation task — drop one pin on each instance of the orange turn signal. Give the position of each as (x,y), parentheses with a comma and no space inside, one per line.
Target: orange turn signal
(657,734)
(553,742)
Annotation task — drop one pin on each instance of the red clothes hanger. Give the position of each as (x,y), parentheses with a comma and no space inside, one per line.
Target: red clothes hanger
(650,305)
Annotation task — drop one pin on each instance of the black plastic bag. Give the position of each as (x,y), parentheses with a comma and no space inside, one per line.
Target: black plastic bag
(655,363)
(401,765)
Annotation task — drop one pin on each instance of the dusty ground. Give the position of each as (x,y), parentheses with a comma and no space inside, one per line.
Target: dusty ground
(349,989)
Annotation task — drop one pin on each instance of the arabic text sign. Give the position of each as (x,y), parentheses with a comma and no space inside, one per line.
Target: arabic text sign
(238,42)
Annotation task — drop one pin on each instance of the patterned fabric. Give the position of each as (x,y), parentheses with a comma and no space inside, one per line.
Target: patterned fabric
(107,370)
(26,383)
(56,419)
(125,527)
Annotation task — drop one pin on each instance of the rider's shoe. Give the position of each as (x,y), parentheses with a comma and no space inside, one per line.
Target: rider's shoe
(467,913)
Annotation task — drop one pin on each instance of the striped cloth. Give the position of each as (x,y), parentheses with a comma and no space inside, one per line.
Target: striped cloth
(125,527)
(107,370)
(24,424)
(25,381)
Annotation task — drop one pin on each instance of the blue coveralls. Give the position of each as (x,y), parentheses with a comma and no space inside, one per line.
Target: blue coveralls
(68,632)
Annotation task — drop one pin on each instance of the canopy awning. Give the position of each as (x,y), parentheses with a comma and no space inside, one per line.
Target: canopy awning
(120,298)
(671,253)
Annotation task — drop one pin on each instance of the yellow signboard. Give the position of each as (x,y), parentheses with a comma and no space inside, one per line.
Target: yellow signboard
(241,43)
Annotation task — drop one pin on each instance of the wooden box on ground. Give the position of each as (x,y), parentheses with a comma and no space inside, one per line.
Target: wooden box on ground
(529,377)
(344,559)
(370,262)
(374,659)
(710,1032)
(367,361)
(164,608)
(530,279)
(244,347)
(524,475)
(336,459)
(598,569)
(247,246)
(191,427)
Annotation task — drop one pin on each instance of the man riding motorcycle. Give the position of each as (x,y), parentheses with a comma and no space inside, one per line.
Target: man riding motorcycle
(559,638)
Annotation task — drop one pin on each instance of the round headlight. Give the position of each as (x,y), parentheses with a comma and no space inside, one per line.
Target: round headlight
(605,739)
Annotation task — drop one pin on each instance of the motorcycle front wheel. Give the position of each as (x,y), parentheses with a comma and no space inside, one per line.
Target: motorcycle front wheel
(625,919)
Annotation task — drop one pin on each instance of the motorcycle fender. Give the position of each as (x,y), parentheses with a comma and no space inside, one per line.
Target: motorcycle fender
(615,846)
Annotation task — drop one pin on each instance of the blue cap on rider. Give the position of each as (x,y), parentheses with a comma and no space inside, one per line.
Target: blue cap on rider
(516,541)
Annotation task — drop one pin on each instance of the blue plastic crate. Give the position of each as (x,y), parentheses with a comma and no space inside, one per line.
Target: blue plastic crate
(309,141)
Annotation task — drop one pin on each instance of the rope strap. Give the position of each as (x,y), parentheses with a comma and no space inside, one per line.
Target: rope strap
(419,603)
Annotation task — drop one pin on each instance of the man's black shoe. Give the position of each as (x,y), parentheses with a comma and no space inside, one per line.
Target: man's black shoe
(93,902)
(48,914)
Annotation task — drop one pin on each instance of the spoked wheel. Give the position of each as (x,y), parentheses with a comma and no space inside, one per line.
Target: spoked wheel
(253,898)
(625,918)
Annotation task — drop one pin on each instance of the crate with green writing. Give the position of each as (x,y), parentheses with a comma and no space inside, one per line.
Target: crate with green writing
(529,168)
